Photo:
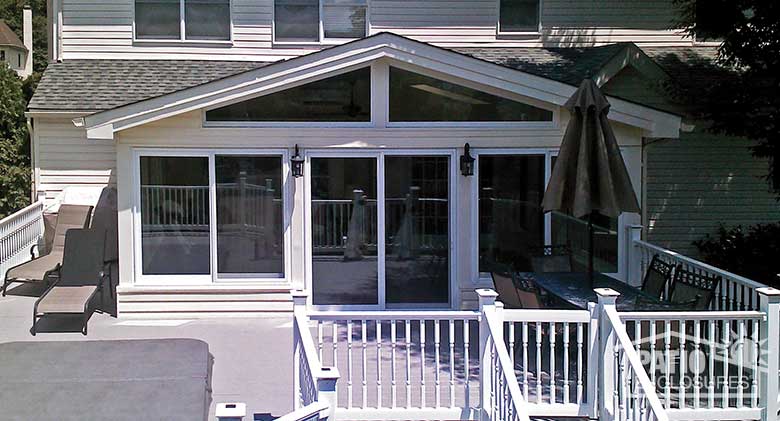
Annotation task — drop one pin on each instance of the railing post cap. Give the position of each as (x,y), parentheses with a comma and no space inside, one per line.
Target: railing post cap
(606,292)
(328,373)
(486,293)
(769,291)
(298,293)
(230,411)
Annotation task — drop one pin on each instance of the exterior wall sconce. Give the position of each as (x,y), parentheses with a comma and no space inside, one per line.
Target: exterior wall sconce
(467,162)
(296,163)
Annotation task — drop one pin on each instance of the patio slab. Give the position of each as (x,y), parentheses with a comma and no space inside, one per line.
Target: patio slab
(252,357)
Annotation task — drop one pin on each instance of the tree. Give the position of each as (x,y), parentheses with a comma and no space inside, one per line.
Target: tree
(747,104)
(14,144)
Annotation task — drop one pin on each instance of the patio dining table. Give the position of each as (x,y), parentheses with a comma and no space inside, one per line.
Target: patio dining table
(574,289)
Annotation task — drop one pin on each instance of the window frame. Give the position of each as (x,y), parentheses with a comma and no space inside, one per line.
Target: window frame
(182,30)
(530,32)
(213,278)
(322,39)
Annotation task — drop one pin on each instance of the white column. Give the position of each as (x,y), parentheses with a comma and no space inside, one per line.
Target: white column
(606,384)
(633,259)
(487,305)
(769,301)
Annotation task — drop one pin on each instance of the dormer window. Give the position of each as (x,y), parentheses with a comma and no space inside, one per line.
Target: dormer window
(519,16)
(204,20)
(313,21)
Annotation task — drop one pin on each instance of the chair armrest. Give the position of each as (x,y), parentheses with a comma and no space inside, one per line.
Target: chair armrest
(33,250)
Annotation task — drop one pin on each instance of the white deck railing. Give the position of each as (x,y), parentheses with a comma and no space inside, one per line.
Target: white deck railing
(734,292)
(19,232)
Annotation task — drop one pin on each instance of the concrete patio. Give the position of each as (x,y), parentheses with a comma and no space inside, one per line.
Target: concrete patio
(252,357)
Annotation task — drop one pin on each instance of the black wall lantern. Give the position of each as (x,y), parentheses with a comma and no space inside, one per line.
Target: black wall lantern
(296,163)
(467,162)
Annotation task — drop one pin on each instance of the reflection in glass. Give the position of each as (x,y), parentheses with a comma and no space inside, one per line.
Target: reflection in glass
(417,229)
(344,18)
(344,98)
(207,19)
(511,221)
(416,97)
(157,19)
(519,16)
(249,215)
(344,230)
(297,20)
(175,215)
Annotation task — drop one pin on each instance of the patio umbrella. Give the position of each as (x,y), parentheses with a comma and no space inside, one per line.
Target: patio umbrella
(589,174)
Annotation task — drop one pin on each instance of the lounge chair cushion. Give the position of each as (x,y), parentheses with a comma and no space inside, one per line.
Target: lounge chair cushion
(35,270)
(66,299)
(69,217)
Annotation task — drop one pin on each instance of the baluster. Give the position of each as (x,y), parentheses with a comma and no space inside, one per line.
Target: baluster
(579,362)
(334,337)
(319,339)
(740,361)
(452,363)
(378,363)
(436,345)
(651,326)
(624,379)
(756,356)
(565,366)
(711,371)
(525,360)
(349,363)
(538,362)
(408,324)
(696,367)
(512,342)
(667,362)
(467,388)
(422,363)
(725,394)
(617,375)
(683,358)
(364,364)
(393,401)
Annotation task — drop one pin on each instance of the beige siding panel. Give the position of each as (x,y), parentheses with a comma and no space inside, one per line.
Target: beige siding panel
(103,29)
(65,157)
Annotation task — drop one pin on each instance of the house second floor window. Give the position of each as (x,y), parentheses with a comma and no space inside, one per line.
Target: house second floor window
(203,20)
(316,20)
(518,16)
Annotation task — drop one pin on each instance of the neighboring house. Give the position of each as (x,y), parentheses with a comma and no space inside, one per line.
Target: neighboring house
(14,52)
(258,146)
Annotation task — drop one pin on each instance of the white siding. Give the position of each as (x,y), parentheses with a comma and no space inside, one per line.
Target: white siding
(699,181)
(64,157)
(103,28)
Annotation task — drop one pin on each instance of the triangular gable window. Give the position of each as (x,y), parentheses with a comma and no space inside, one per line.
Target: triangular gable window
(419,98)
(342,98)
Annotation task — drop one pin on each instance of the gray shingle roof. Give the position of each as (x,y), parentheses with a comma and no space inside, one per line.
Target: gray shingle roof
(96,85)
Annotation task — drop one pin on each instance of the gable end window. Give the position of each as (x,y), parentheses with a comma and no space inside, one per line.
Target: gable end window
(203,20)
(516,16)
(318,20)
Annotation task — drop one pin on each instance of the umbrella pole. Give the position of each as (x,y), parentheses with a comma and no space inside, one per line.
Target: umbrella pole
(590,249)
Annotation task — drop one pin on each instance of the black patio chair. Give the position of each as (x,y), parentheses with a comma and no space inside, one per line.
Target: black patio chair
(688,286)
(551,258)
(657,277)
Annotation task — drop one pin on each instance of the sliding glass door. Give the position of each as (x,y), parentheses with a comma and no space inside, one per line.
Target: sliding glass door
(380,229)
(204,216)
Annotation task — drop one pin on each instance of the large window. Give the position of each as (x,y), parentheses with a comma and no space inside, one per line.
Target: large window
(419,98)
(519,16)
(211,216)
(204,20)
(316,20)
(342,98)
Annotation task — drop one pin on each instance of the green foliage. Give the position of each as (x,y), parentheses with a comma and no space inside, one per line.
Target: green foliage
(749,104)
(11,12)
(14,144)
(750,252)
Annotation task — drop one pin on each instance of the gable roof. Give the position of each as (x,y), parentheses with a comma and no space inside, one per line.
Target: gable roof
(9,38)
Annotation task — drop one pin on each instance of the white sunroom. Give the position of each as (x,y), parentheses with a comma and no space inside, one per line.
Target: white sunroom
(348,172)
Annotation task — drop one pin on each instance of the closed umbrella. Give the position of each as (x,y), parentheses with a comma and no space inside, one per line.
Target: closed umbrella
(589,173)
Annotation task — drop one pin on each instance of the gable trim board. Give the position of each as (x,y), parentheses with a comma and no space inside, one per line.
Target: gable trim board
(342,58)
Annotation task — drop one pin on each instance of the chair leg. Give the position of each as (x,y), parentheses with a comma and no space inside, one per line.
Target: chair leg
(5,286)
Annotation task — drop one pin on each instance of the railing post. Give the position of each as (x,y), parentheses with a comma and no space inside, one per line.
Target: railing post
(769,301)
(326,391)
(299,309)
(633,257)
(607,298)
(593,357)
(487,305)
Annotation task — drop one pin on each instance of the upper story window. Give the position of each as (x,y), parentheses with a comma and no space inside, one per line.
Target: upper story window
(204,20)
(318,20)
(519,16)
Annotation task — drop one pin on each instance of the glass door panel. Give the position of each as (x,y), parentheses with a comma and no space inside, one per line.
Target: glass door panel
(249,216)
(344,221)
(175,217)
(417,229)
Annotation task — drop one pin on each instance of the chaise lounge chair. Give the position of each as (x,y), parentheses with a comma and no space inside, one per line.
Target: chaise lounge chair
(38,270)
(82,275)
